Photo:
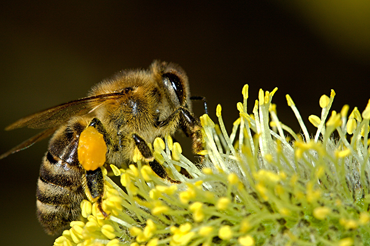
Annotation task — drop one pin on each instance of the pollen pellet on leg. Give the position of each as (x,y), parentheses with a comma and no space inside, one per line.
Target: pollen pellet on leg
(92,149)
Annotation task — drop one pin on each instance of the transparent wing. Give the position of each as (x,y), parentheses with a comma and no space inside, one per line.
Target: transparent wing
(29,142)
(60,114)
(53,117)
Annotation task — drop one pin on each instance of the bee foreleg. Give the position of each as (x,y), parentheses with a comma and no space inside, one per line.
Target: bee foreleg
(191,127)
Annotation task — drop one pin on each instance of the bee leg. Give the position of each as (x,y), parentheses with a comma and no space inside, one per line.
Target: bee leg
(100,207)
(93,179)
(94,187)
(96,123)
(143,148)
(191,127)
(147,154)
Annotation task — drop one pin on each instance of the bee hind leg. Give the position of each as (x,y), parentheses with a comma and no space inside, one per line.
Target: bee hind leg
(100,207)
(92,178)
(94,187)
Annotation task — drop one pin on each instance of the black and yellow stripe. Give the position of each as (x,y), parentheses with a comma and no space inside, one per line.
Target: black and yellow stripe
(59,187)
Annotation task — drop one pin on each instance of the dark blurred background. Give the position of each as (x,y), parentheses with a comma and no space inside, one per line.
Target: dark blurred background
(53,52)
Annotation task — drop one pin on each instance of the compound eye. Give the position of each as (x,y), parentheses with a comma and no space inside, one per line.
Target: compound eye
(174,86)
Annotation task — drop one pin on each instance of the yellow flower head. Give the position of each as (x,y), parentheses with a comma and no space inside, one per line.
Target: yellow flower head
(258,183)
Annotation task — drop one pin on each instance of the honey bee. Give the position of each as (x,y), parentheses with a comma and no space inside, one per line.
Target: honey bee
(129,111)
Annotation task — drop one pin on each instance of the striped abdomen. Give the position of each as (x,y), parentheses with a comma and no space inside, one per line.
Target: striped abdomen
(59,187)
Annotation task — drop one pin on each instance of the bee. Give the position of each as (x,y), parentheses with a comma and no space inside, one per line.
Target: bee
(127,111)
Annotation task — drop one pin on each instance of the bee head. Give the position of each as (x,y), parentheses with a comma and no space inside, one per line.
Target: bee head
(174,82)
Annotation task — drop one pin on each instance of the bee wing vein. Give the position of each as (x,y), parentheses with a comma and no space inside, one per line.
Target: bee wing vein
(60,114)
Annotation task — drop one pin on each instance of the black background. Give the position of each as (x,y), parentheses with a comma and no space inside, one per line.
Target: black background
(54,52)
